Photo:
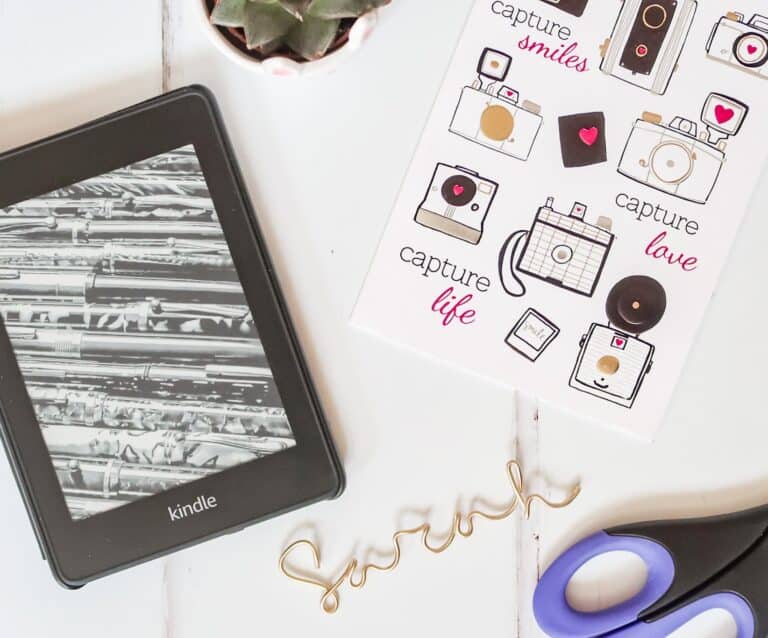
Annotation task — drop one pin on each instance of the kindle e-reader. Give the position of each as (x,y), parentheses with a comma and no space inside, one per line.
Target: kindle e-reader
(152,388)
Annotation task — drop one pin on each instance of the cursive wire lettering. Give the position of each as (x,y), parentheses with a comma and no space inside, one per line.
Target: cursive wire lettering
(356,575)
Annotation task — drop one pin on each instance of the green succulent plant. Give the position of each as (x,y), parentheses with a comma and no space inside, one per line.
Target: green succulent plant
(307,27)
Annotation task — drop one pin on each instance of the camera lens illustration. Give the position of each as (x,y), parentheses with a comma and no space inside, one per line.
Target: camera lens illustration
(741,44)
(497,123)
(562,254)
(608,365)
(655,16)
(491,114)
(672,162)
(751,49)
(613,360)
(459,190)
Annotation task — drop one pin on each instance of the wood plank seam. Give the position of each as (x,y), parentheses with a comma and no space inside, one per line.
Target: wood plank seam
(528,532)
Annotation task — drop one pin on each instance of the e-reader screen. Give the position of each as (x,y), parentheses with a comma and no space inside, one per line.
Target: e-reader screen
(133,334)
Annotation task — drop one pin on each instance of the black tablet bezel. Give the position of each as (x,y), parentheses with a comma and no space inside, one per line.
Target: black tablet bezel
(81,550)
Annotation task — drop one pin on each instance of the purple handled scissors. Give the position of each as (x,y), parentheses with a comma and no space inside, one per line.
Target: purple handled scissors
(694,566)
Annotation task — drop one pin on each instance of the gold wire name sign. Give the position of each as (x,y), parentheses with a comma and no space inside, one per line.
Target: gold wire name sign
(356,575)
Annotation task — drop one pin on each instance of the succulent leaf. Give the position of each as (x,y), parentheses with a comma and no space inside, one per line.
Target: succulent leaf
(312,38)
(295,7)
(271,47)
(329,9)
(308,27)
(229,13)
(266,21)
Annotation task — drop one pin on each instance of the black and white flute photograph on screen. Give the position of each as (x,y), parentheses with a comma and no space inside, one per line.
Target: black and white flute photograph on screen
(134,336)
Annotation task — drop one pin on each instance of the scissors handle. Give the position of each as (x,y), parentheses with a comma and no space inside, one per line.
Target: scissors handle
(559,620)
(735,605)
(688,561)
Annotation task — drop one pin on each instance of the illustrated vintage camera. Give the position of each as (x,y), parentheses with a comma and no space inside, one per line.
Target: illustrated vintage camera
(491,114)
(741,44)
(563,250)
(677,158)
(574,7)
(613,361)
(647,42)
(457,202)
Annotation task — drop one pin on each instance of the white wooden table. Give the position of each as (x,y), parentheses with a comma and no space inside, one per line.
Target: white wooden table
(324,158)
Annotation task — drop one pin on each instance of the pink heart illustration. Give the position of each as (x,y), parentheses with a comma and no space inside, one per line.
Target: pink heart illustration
(619,342)
(751,49)
(589,135)
(458,190)
(510,92)
(723,114)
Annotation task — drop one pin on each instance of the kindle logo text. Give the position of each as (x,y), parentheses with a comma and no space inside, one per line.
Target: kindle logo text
(199,505)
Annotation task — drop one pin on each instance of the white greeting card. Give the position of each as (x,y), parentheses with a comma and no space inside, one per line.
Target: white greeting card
(574,197)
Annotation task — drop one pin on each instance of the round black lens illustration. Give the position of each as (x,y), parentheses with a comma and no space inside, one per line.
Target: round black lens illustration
(751,50)
(459,190)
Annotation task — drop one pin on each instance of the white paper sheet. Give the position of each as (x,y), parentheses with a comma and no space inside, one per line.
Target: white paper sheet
(625,142)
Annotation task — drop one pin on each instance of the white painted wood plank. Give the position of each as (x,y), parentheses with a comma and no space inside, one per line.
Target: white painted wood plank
(529,456)
(62,63)
(324,158)
(709,456)
(412,438)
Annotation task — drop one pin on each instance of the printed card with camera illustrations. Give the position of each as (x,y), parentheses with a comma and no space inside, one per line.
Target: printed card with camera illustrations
(575,195)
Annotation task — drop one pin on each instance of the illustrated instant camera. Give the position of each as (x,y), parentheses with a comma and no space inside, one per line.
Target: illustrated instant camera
(613,361)
(490,114)
(676,158)
(741,44)
(563,250)
(647,42)
(457,203)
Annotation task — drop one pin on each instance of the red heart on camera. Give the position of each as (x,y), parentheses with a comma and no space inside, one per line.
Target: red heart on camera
(458,190)
(751,49)
(723,114)
(589,135)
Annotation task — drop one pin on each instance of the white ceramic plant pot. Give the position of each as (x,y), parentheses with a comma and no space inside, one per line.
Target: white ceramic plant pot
(285,67)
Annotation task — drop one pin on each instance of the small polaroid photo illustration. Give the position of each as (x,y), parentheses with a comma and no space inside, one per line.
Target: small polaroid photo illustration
(532,335)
